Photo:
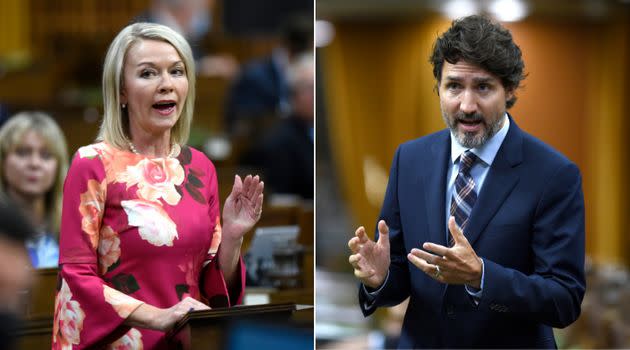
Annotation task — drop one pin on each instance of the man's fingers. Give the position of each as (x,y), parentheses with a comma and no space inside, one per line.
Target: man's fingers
(363,274)
(420,263)
(428,257)
(437,249)
(383,234)
(361,235)
(360,271)
(456,231)
(354,260)
(354,244)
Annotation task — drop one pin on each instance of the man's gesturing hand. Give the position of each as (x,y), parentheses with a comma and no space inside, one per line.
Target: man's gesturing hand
(458,264)
(370,259)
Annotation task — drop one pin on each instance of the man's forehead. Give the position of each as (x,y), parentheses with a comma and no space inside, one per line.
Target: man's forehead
(463,69)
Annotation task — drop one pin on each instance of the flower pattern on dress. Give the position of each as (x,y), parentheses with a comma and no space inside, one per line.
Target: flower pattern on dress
(156,178)
(108,249)
(115,161)
(91,209)
(192,271)
(89,151)
(132,340)
(68,319)
(154,224)
(216,239)
(123,304)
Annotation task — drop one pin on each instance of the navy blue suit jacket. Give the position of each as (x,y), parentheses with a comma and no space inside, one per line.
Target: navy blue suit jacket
(528,227)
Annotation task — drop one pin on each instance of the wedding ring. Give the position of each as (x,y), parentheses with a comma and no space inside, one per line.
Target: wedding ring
(437,272)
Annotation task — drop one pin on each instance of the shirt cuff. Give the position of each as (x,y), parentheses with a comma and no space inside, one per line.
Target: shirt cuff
(373,294)
(474,292)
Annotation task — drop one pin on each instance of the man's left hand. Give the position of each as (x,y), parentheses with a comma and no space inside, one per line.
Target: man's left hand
(458,264)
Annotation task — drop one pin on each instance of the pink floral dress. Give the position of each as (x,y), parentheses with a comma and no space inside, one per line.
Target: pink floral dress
(135,230)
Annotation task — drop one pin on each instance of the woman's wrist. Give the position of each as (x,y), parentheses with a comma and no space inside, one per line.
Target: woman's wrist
(147,316)
(232,243)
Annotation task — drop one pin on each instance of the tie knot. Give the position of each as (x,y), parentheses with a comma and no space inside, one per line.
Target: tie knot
(466,161)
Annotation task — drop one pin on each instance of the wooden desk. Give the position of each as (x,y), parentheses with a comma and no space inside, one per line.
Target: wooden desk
(212,329)
(36,331)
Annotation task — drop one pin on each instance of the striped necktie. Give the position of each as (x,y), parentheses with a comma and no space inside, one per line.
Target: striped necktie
(464,195)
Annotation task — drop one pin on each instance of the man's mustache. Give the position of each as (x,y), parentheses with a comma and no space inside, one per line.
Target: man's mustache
(469,117)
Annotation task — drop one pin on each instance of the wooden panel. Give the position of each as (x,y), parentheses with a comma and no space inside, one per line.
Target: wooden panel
(36,334)
(42,294)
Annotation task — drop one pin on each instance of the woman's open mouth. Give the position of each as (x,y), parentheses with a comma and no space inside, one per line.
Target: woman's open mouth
(165,107)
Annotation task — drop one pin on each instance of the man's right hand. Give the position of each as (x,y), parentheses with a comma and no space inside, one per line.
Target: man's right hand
(370,259)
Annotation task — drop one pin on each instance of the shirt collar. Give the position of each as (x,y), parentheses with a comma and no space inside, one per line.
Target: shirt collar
(488,150)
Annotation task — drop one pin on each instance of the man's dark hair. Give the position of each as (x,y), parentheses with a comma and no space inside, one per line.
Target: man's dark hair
(297,33)
(480,41)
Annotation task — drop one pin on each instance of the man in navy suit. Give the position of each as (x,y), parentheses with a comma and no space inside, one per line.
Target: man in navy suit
(482,225)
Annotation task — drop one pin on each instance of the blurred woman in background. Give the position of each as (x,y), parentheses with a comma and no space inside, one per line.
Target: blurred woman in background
(33,165)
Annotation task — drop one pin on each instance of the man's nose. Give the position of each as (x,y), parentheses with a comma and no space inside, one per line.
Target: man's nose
(468,103)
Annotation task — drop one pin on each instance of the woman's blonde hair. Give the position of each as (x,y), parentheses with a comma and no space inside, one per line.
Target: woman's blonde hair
(11,136)
(115,126)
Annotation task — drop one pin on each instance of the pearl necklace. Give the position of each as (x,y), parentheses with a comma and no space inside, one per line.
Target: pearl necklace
(171,154)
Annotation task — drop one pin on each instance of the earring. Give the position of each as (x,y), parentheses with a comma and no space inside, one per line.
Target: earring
(124,105)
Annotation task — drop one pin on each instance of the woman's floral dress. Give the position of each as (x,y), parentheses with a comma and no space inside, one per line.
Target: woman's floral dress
(135,230)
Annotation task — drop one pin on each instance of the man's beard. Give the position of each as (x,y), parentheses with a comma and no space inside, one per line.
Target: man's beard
(469,139)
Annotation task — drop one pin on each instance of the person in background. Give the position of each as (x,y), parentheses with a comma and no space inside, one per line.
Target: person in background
(4,113)
(262,89)
(141,239)
(287,150)
(15,272)
(193,20)
(33,165)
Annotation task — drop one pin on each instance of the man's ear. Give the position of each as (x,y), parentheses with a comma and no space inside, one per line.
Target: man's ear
(509,94)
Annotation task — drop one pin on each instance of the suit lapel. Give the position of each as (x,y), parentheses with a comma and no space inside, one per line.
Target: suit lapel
(435,185)
(502,177)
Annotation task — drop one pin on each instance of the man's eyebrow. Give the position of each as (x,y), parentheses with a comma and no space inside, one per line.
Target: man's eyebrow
(483,80)
(477,80)
(453,78)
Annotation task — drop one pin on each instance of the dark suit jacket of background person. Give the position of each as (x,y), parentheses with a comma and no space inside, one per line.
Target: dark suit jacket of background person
(260,90)
(287,152)
(528,227)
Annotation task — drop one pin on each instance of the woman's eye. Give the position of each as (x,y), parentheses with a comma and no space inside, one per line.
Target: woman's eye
(22,151)
(45,155)
(146,73)
(178,71)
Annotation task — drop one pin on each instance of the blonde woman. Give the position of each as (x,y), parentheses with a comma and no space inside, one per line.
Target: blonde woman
(141,238)
(33,164)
